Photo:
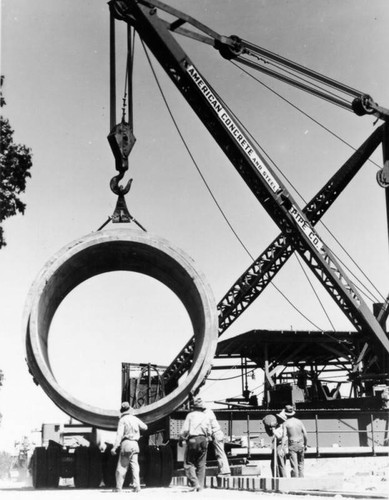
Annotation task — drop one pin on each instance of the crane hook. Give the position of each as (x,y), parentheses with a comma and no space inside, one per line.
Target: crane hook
(116,188)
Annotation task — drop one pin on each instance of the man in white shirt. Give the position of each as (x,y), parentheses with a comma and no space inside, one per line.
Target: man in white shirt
(127,436)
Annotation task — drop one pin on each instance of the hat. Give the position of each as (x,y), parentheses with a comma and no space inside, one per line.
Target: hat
(282,416)
(198,404)
(125,407)
(269,421)
(289,411)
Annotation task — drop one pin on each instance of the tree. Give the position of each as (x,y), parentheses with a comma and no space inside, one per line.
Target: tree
(15,163)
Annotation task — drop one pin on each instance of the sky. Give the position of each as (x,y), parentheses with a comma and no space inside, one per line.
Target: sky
(55,58)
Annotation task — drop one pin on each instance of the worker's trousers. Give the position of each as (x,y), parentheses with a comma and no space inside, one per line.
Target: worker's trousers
(296,457)
(278,460)
(129,451)
(195,461)
(221,457)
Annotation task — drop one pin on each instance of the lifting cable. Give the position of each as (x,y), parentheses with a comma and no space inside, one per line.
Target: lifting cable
(254,50)
(112,71)
(190,154)
(344,105)
(314,291)
(211,193)
(300,110)
(290,72)
(128,79)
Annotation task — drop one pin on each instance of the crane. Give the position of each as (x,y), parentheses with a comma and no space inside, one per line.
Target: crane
(296,224)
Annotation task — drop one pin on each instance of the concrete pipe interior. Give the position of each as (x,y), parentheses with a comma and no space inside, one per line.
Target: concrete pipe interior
(118,250)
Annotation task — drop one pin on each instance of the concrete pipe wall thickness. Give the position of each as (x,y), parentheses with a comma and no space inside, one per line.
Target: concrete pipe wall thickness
(118,250)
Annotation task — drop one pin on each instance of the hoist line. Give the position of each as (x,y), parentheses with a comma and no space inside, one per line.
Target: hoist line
(295,83)
(372,298)
(366,292)
(210,191)
(315,292)
(302,69)
(127,91)
(191,156)
(112,71)
(301,111)
(302,198)
(314,85)
(128,77)
(295,307)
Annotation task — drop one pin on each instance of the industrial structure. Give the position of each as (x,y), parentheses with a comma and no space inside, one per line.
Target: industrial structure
(296,364)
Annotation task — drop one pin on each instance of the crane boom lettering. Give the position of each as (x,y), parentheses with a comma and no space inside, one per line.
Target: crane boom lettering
(251,154)
(233,128)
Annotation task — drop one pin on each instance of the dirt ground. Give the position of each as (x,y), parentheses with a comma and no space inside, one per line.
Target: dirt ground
(366,477)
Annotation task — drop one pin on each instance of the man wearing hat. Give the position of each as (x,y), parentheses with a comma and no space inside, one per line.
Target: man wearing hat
(297,441)
(196,431)
(274,426)
(127,436)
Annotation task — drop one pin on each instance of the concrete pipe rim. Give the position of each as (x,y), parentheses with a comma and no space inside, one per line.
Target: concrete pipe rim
(127,250)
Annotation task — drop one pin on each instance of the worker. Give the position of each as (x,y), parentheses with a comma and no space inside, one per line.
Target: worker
(127,436)
(281,442)
(274,426)
(297,441)
(218,444)
(197,432)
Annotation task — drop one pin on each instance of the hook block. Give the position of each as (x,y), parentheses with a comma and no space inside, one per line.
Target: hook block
(122,140)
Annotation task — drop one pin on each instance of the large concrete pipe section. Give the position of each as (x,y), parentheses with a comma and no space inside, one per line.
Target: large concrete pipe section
(118,250)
